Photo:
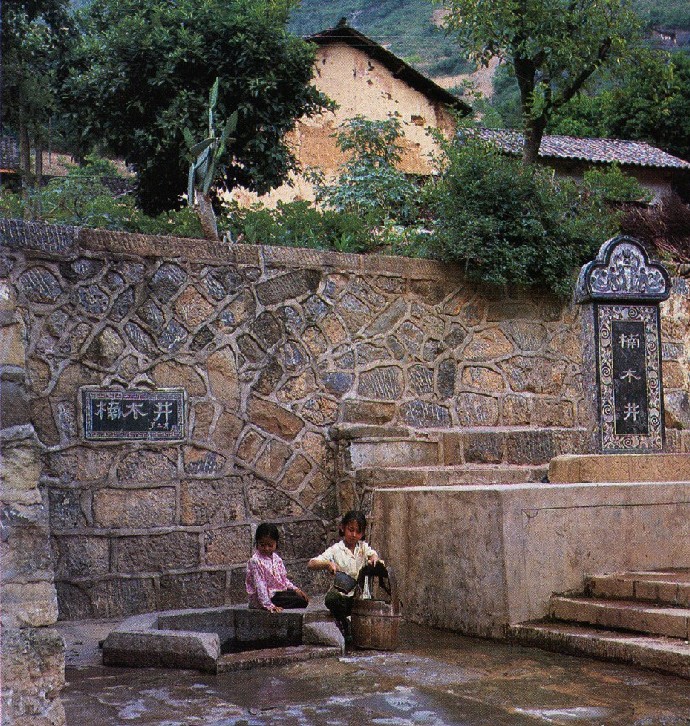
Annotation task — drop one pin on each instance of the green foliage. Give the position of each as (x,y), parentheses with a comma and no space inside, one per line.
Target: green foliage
(205,156)
(11,204)
(649,101)
(95,166)
(653,103)
(33,35)
(82,199)
(141,73)
(553,46)
(298,224)
(612,186)
(666,13)
(369,184)
(507,223)
(503,109)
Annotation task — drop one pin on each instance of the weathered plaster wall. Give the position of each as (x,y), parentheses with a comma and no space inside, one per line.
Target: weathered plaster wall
(274,346)
(33,654)
(360,86)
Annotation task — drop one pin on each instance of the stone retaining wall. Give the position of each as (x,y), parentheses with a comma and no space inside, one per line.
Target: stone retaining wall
(33,654)
(273,346)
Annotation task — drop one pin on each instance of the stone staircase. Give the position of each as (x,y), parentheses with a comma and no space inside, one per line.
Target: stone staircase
(386,456)
(641,618)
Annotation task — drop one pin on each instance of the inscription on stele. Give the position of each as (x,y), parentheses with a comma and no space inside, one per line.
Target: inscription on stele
(625,288)
(127,415)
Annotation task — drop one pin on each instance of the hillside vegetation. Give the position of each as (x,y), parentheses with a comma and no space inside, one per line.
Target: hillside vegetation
(408,29)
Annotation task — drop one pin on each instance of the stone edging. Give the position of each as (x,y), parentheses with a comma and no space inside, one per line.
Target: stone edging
(64,242)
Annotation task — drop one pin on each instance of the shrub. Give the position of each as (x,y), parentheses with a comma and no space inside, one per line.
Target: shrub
(298,224)
(369,184)
(82,199)
(612,186)
(507,223)
(666,226)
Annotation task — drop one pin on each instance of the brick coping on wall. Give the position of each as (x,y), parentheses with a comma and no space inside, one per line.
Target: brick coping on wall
(68,240)
(20,234)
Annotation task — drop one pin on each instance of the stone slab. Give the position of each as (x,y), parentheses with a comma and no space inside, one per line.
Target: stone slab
(274,657)
(619,468)
(196,638)
(662,654)
(407,452)
(162,649)
(448,475)
(671,587)
(623,615)
(477,559)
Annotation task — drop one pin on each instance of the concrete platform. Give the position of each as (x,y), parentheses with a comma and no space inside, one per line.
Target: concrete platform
(478,559)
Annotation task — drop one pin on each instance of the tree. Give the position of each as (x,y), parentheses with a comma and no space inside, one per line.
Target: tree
(648,101)
(554,47)
(369,184)
(142,71)
(653,103)
(34,35)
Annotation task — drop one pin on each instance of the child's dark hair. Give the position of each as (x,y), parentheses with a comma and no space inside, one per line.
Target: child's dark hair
(354,515)
(267,530)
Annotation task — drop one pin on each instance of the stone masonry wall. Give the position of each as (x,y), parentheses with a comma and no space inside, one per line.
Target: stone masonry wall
(274,347)
(33,653)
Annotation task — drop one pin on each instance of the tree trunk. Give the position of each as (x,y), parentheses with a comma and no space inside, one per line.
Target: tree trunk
(533,128)
(207,217)
(534,132)
(38,167)
(25,165)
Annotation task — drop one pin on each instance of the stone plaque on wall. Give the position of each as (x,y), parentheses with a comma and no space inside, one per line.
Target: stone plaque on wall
(625,290)
(131,415)
(630,377)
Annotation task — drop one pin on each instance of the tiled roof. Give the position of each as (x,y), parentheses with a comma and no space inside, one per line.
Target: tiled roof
(9,153)
(605,151)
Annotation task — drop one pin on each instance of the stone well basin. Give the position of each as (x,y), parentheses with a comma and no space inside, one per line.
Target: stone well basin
(225,638)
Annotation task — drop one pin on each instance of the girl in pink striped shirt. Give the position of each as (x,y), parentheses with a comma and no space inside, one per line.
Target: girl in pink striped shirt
(267,582)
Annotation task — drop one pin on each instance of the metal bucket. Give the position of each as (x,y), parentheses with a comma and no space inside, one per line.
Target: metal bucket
(375,623)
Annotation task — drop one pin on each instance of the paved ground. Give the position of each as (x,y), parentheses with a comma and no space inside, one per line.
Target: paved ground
(434,678)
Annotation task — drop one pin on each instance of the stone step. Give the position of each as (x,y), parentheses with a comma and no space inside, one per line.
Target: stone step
(590,468)
(274,657)
(445,447)
(668,655)
(400,476)
(673,622)
(669,587)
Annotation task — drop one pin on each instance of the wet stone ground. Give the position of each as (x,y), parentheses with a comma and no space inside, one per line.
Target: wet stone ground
(434,678)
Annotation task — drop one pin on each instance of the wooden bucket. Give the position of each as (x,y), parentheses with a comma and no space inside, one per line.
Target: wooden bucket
(375,623)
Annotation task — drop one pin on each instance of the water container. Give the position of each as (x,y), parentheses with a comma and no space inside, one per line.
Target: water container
(375,622)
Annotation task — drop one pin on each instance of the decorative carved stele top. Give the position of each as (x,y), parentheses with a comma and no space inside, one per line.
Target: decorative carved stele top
(622,271)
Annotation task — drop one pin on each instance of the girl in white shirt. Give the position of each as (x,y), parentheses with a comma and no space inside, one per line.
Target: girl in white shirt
(348,556)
